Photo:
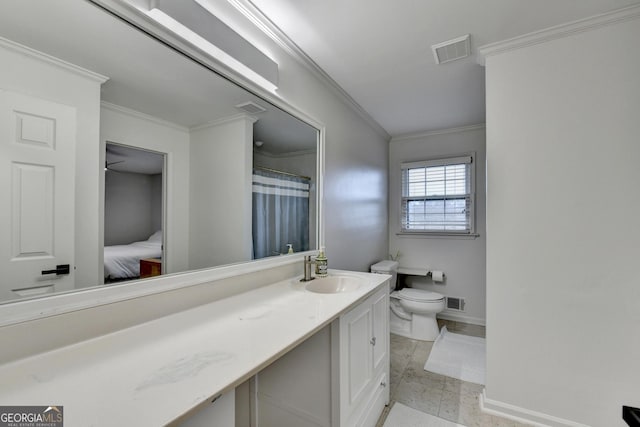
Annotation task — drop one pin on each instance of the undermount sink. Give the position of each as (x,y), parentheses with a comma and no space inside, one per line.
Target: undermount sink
(334,284)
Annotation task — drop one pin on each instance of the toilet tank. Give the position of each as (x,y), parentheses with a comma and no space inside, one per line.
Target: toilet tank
(387,267)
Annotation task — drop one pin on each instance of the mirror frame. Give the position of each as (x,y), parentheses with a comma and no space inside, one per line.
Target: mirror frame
(13,312)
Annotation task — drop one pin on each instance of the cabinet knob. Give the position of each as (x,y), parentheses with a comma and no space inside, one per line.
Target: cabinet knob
(383,384)
(373,341)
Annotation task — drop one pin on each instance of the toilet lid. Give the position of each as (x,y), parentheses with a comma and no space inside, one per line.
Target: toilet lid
(419,295)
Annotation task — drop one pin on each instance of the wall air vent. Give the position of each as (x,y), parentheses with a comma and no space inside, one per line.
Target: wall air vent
(452,50)
(251,108)
(454,303)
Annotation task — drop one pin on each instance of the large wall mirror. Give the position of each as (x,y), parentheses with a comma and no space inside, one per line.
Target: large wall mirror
(122,158)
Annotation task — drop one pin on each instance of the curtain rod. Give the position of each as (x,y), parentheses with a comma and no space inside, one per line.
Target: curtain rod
(282,172)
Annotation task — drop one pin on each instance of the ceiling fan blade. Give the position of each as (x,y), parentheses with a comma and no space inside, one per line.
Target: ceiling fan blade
(108,164)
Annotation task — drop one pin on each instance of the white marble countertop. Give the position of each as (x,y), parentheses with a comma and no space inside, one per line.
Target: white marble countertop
(155,372)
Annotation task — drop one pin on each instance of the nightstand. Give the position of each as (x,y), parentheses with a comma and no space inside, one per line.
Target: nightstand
(150,267)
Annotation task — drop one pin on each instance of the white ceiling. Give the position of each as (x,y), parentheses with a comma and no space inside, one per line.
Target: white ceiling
(379,51)
(120,158)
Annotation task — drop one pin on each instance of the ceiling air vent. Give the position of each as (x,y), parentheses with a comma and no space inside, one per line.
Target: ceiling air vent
(451,50)
(251,108)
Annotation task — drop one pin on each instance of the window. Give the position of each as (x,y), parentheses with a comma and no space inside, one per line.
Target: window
(438,196)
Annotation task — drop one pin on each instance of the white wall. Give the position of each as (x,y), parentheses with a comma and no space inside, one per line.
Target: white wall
(220,208)
(356,157)
(129,211)
(156,202)
(355,191)
(462,259)
(563,242)
(137,130)
(300,164)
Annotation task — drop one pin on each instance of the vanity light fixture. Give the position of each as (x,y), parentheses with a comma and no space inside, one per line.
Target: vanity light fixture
(198,26)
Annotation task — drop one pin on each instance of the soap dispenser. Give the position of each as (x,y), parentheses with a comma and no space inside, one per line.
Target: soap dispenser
(321,264)
(290,251)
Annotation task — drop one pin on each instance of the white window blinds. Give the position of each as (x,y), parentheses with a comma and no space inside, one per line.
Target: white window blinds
(437,196)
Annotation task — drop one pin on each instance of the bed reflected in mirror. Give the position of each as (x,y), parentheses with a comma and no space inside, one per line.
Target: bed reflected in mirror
(133,209)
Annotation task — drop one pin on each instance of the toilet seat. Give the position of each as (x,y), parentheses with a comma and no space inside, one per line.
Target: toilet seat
(420,295)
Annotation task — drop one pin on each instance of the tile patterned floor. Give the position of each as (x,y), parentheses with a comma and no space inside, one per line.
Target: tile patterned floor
(435,394)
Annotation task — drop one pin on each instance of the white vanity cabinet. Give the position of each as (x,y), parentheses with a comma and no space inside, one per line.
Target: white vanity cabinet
(363,368)
(338,377)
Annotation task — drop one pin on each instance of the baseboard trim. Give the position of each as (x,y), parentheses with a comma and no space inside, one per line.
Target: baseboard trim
(461,318)
(522,415)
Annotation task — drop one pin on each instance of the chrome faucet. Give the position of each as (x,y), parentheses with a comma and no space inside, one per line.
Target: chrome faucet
(307,269)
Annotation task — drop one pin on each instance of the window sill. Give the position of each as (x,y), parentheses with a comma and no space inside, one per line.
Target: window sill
(443,235)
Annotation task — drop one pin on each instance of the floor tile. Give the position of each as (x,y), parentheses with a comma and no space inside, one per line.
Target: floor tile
(402,344)
(422,350)
(468,329)
(415,373)
(404,416)
(401,358)
(434,394)
(469,412)
(500,422)
(458,386)
(395,378)
(449,406)
(419,396)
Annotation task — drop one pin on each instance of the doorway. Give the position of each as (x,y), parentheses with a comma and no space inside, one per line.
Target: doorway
(133,213)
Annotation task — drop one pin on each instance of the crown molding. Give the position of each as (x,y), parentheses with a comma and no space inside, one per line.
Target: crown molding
(156,120)
(262,22)
(52,60)
(153,119)
(559,31)
(230,119)
(421,135)
(142,116)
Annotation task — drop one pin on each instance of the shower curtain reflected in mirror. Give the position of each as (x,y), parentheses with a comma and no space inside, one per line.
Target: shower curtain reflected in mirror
(280,213)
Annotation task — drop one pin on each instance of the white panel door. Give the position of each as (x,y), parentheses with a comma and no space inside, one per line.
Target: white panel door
(37,163)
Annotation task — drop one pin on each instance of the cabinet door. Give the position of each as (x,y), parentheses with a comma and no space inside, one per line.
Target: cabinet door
(221,413)
(356,341)
(380,315)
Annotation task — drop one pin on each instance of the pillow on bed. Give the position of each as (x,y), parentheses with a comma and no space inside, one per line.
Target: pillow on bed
(156,237)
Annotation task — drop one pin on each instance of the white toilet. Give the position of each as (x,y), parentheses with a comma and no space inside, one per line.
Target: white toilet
(413,311)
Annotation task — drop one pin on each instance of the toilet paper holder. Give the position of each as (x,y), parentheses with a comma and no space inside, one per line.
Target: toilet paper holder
(408,271)
(436,275)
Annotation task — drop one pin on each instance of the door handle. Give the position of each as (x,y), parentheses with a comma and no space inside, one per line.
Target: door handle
(59,270)
(373,341)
